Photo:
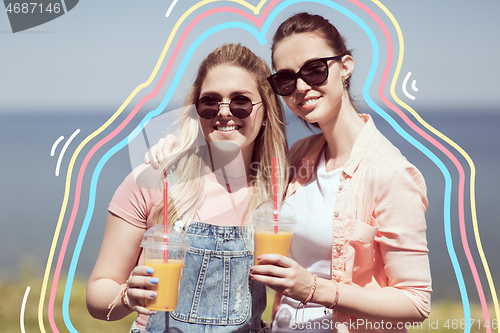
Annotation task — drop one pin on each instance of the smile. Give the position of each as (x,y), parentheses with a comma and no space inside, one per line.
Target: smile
(227,128)
(310,101)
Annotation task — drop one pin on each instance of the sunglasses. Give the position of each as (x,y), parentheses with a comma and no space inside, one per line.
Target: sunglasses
(240,106)
(314,72)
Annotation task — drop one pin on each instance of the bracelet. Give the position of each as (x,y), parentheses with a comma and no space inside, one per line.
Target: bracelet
(309,297)
(313,289)
(124,298)
(336,300)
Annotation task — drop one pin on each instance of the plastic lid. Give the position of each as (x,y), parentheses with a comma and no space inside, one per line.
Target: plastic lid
(154,237)
(265,211)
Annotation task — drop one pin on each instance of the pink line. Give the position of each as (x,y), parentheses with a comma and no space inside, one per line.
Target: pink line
(265,12)
(440,147)
(116,131)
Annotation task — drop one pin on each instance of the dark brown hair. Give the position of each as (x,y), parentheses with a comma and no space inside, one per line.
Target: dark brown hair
(309,23)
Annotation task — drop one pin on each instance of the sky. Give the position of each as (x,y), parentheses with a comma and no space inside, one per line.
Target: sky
(97,53)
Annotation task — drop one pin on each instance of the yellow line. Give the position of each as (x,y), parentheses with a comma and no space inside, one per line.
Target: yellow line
(454,145)
(259,7)
(102,128)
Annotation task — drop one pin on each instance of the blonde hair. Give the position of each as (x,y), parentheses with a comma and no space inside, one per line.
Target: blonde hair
(190,158)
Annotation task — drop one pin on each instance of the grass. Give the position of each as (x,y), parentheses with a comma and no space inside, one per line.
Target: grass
(448,317)
(12,298)
(13,293)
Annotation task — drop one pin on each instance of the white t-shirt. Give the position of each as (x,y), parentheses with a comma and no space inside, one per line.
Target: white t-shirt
(311,248)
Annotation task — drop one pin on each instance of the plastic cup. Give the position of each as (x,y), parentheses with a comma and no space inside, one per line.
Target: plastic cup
(168,271)
(267,240)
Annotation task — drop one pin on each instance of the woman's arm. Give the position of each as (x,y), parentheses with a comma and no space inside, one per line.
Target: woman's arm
(115,265)
(387,303)
(287,277)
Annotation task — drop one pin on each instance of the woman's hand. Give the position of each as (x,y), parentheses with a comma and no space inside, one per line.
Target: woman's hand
(139,286)
(161,150)
(284,275)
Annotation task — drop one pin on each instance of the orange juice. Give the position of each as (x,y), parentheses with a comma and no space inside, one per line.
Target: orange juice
(269,242)
(167,288)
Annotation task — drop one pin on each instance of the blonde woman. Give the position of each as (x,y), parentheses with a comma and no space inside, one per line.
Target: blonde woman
(238,117)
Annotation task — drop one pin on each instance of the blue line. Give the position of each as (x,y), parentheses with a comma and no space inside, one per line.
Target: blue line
(261,39)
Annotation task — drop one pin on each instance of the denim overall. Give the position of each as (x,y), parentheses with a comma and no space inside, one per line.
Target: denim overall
(216,294)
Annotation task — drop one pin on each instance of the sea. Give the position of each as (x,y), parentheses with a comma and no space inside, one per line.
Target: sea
(36,203)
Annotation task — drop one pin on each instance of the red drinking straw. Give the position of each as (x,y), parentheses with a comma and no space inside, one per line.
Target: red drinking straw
(275,196)
(165,220)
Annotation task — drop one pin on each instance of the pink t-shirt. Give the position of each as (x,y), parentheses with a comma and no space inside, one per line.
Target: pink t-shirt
(135,200)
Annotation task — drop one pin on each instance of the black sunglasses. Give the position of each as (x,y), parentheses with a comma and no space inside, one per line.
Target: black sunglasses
(313,72)
(240,106)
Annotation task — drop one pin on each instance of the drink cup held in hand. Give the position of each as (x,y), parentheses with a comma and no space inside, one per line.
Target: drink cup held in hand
(272,237)
(166,256)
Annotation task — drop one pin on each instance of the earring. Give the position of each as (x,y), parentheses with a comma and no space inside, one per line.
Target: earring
(344,82)
(264,123)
